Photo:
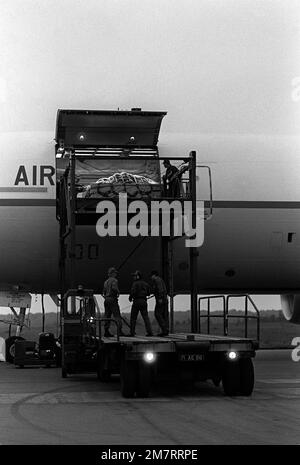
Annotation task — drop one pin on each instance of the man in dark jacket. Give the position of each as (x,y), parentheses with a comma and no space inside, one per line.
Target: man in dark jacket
(161,311)
(140,290)
(171,180)
(111,306)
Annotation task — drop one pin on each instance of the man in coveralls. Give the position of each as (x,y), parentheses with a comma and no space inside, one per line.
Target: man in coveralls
(111,306)
(171,180)
(161,311)
(140,290)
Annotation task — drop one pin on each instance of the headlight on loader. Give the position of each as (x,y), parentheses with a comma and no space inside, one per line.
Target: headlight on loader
(232,355)
(149,357)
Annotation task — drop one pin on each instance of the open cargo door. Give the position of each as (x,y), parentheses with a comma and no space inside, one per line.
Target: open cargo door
(108,128)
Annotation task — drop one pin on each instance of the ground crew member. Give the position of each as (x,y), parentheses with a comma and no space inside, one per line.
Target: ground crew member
(140,290)
(111,306)
(171,180)
(161,310)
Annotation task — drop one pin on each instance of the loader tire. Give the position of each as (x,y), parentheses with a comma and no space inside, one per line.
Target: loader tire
(10,348)
(247,376)
(231,378)
(129,378)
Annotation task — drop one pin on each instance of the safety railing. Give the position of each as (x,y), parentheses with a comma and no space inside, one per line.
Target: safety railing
(246,316)
(225,314)
(209,315)
(210,200)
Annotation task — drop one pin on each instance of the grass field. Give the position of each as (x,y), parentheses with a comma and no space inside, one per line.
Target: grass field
(275,331)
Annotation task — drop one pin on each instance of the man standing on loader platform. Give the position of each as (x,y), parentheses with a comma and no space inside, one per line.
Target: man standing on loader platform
(161,311)
(111,306)
(139,292)
(171,180)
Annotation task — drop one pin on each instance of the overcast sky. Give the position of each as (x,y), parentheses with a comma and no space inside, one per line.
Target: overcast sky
(222,66)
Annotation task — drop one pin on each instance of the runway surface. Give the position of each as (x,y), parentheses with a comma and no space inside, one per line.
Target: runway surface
(37,406)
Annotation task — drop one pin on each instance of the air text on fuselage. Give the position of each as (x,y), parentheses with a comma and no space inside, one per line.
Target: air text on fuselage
(35,175)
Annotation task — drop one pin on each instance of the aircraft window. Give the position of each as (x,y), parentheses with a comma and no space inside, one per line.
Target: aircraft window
(291,236)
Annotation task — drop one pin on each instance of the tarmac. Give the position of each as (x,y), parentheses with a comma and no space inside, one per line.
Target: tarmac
(37,406)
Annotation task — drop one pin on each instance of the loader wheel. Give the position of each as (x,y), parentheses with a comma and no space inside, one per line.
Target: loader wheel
(10,348)
(143,380)
(246,376)
(129,377)
(103,373)
(58,357)
(231,377)
(217,380)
